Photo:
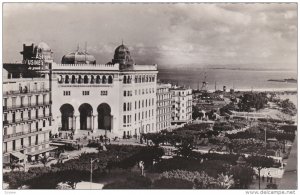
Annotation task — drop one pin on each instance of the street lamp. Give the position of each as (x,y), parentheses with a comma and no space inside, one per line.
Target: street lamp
(91,178)
(259,169)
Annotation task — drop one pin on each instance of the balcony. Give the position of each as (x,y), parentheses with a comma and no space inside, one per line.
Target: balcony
(6,122)
(16,107)
(18,92)
(23,134)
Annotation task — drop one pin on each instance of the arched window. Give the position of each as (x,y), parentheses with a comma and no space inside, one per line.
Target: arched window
(98,79)
(104,79)
(124,79)
(73,80)
(110,79)
(92,79)
(86,79)
(60,79)
(79,79)
(67,79)
(128,79)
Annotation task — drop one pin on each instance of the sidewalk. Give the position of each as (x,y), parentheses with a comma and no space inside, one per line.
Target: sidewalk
(290,179)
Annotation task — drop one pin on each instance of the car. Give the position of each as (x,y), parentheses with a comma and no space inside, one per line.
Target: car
(63,156)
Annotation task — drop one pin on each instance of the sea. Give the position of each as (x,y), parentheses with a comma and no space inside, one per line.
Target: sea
(238,79)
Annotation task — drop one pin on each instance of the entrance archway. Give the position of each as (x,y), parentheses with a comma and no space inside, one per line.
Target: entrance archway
(67,114)
(86,112)
(104,116)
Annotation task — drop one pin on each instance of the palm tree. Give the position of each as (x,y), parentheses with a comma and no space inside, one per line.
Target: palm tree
(225,181)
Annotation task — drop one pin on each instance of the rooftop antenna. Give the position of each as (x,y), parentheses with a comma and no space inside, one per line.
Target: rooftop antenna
(78,47)
(122,41)
(215,85)
(85,50)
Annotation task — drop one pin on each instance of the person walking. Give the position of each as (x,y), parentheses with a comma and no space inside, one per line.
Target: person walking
(269,177)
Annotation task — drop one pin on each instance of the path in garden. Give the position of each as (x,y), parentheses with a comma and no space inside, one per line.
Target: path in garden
(289,179)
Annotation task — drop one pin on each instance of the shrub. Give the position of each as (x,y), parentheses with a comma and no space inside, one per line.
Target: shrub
(172,183)
(132,182)
(200,179)
(211,167)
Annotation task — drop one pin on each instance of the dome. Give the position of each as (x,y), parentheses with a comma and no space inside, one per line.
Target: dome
(78,57)
(122,56)
(43,46)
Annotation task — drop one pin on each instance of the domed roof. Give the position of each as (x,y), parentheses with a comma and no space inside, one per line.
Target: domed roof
(78,57)
(43,46)
(122,48)
(122,56)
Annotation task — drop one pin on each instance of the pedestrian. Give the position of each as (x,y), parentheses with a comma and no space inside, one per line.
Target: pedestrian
(268,176)
(263,178)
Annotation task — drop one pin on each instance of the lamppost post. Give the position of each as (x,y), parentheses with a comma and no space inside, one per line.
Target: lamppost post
(91,176)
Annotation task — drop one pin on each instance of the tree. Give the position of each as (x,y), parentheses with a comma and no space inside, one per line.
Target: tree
(184,144)
(15,165)
(224,181)
(260,162)
(45,160)
(242,176)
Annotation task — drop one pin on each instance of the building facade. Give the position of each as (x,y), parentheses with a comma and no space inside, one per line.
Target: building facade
(27,116)
(113,99)
(164,107)
(182,101)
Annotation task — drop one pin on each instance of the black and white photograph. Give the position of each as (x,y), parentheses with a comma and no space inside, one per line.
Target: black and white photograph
(149,96)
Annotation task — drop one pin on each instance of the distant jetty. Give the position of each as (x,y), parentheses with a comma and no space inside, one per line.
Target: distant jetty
(291,80)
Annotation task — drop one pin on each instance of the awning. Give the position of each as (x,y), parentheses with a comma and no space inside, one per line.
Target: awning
(41,151)
(19,155)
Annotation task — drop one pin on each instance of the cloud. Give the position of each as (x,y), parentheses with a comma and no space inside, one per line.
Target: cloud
(167,34)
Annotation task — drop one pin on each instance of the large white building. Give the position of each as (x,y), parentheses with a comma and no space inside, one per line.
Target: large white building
(116,99)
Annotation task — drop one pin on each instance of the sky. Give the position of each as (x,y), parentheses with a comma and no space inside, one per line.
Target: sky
(240,35)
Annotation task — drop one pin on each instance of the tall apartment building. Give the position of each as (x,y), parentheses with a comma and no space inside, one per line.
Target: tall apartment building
(181,106)
(27,119)
(164,107)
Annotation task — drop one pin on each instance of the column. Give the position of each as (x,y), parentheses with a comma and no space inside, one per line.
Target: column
(95,127)
(74,123)
(70,121)
(111,123)
(77,123)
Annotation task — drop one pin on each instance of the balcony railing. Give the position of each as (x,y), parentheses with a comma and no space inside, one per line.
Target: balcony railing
(21,134)
(15,107)
(17,92)
(6,122)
